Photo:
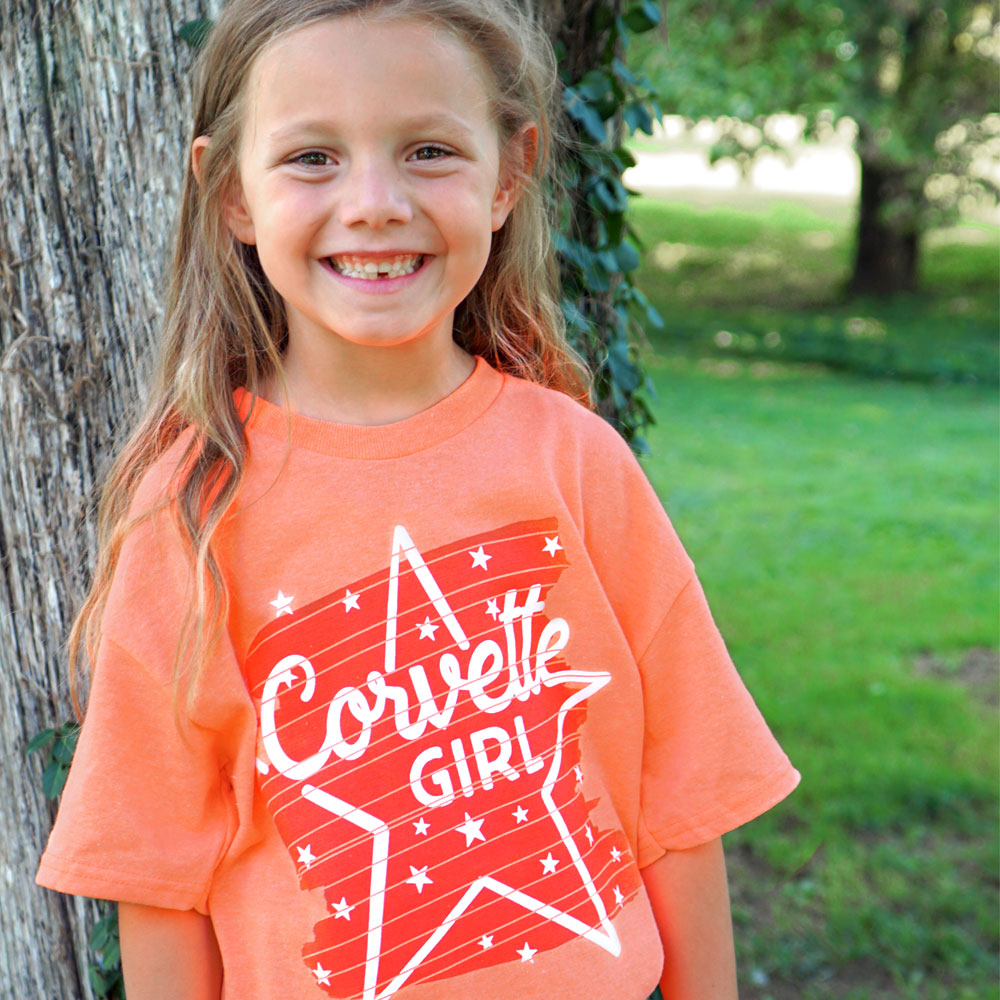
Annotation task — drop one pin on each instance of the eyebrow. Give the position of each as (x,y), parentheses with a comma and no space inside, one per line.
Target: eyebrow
(417,123)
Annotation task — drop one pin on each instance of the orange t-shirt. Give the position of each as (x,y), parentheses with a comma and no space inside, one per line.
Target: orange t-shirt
(468,688)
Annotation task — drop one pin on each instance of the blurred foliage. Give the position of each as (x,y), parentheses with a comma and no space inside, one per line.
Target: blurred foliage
(919,78)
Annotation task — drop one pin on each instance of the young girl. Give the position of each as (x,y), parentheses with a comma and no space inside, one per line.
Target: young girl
(403,685)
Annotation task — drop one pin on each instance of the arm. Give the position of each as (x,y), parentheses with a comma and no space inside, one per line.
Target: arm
(168,954)
(690,899)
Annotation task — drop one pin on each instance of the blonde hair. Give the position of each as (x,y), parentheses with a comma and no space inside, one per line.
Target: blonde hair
(225,325)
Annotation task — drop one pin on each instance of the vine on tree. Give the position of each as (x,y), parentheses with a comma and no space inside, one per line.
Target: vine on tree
(605,311)
(104,970)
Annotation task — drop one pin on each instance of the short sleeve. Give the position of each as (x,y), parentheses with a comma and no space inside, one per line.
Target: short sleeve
(710,762)
(146,813)
(159,785)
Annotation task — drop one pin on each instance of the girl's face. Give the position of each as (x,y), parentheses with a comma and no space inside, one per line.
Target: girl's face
(371,182)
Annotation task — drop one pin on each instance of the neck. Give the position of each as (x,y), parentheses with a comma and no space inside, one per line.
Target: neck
(370,385)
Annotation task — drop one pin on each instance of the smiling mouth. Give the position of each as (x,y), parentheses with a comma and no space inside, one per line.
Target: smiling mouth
(371,270)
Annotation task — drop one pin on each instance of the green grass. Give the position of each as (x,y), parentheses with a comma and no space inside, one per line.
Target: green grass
(764,280)
(846,531)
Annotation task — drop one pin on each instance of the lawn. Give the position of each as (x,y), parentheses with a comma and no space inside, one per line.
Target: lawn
(846,529)
(765,281)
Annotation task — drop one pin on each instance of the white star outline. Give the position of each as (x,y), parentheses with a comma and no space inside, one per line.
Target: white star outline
(604,935)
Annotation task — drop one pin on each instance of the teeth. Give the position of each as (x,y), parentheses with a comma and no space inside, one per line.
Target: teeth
(388,267)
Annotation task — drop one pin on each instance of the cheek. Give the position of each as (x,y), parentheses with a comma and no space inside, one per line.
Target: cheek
(463,214)
(290,214)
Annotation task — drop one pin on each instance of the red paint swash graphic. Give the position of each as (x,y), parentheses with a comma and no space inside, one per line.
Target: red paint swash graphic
(419,751)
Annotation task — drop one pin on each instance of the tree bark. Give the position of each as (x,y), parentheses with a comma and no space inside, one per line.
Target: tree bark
(91,147)
(886,253)
(573,26)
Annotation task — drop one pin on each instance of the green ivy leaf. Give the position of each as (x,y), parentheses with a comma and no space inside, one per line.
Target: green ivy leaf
(609,260)
(101,932)
(624,157)
(62,749)
(112,954)
(53,779)
(195,32)
(638,117)
(98,982)
(643,16)
(39,740)
(628,257)
(623,368)
(584,115)
(624,73)
(595,86)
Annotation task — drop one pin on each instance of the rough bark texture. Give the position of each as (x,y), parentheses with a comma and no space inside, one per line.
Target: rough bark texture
(90,146)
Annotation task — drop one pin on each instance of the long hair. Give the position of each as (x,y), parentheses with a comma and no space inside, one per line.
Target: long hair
(225,326)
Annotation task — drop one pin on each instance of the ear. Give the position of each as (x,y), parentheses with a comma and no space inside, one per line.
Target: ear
(517,160)
(235,209)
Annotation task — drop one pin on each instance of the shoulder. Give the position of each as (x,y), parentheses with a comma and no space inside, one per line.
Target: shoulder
(598,475)
(549,411)
(157,487)
(151,568)
(630,544)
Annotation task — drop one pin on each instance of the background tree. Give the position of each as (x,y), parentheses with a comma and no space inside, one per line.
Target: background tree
(92,145)
(919,77)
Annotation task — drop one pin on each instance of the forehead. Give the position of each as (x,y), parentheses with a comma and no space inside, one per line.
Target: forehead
(368,70)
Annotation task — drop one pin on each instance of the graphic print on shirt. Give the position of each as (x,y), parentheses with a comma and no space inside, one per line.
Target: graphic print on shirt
(419,752)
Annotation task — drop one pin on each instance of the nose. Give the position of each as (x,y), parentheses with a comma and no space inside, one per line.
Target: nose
(373,194)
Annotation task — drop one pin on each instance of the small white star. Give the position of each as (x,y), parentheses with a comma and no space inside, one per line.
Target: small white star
(418,876)
(578,772)
(521,815)
(343,910)
(427,630)
(421,826)
(619,898)
(306,856)
(615,853)
(551,546)
(322,975)
(350,601)
(549,864)
(480,558)
(527,953)
(492,608)
(282,605)
(486,941)
(590,835)
(472,828)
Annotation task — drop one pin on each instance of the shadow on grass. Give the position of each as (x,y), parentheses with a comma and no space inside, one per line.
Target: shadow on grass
(765,284)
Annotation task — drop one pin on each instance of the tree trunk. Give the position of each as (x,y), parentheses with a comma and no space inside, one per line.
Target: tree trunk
(573,26)
(90,153)
(885,261)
